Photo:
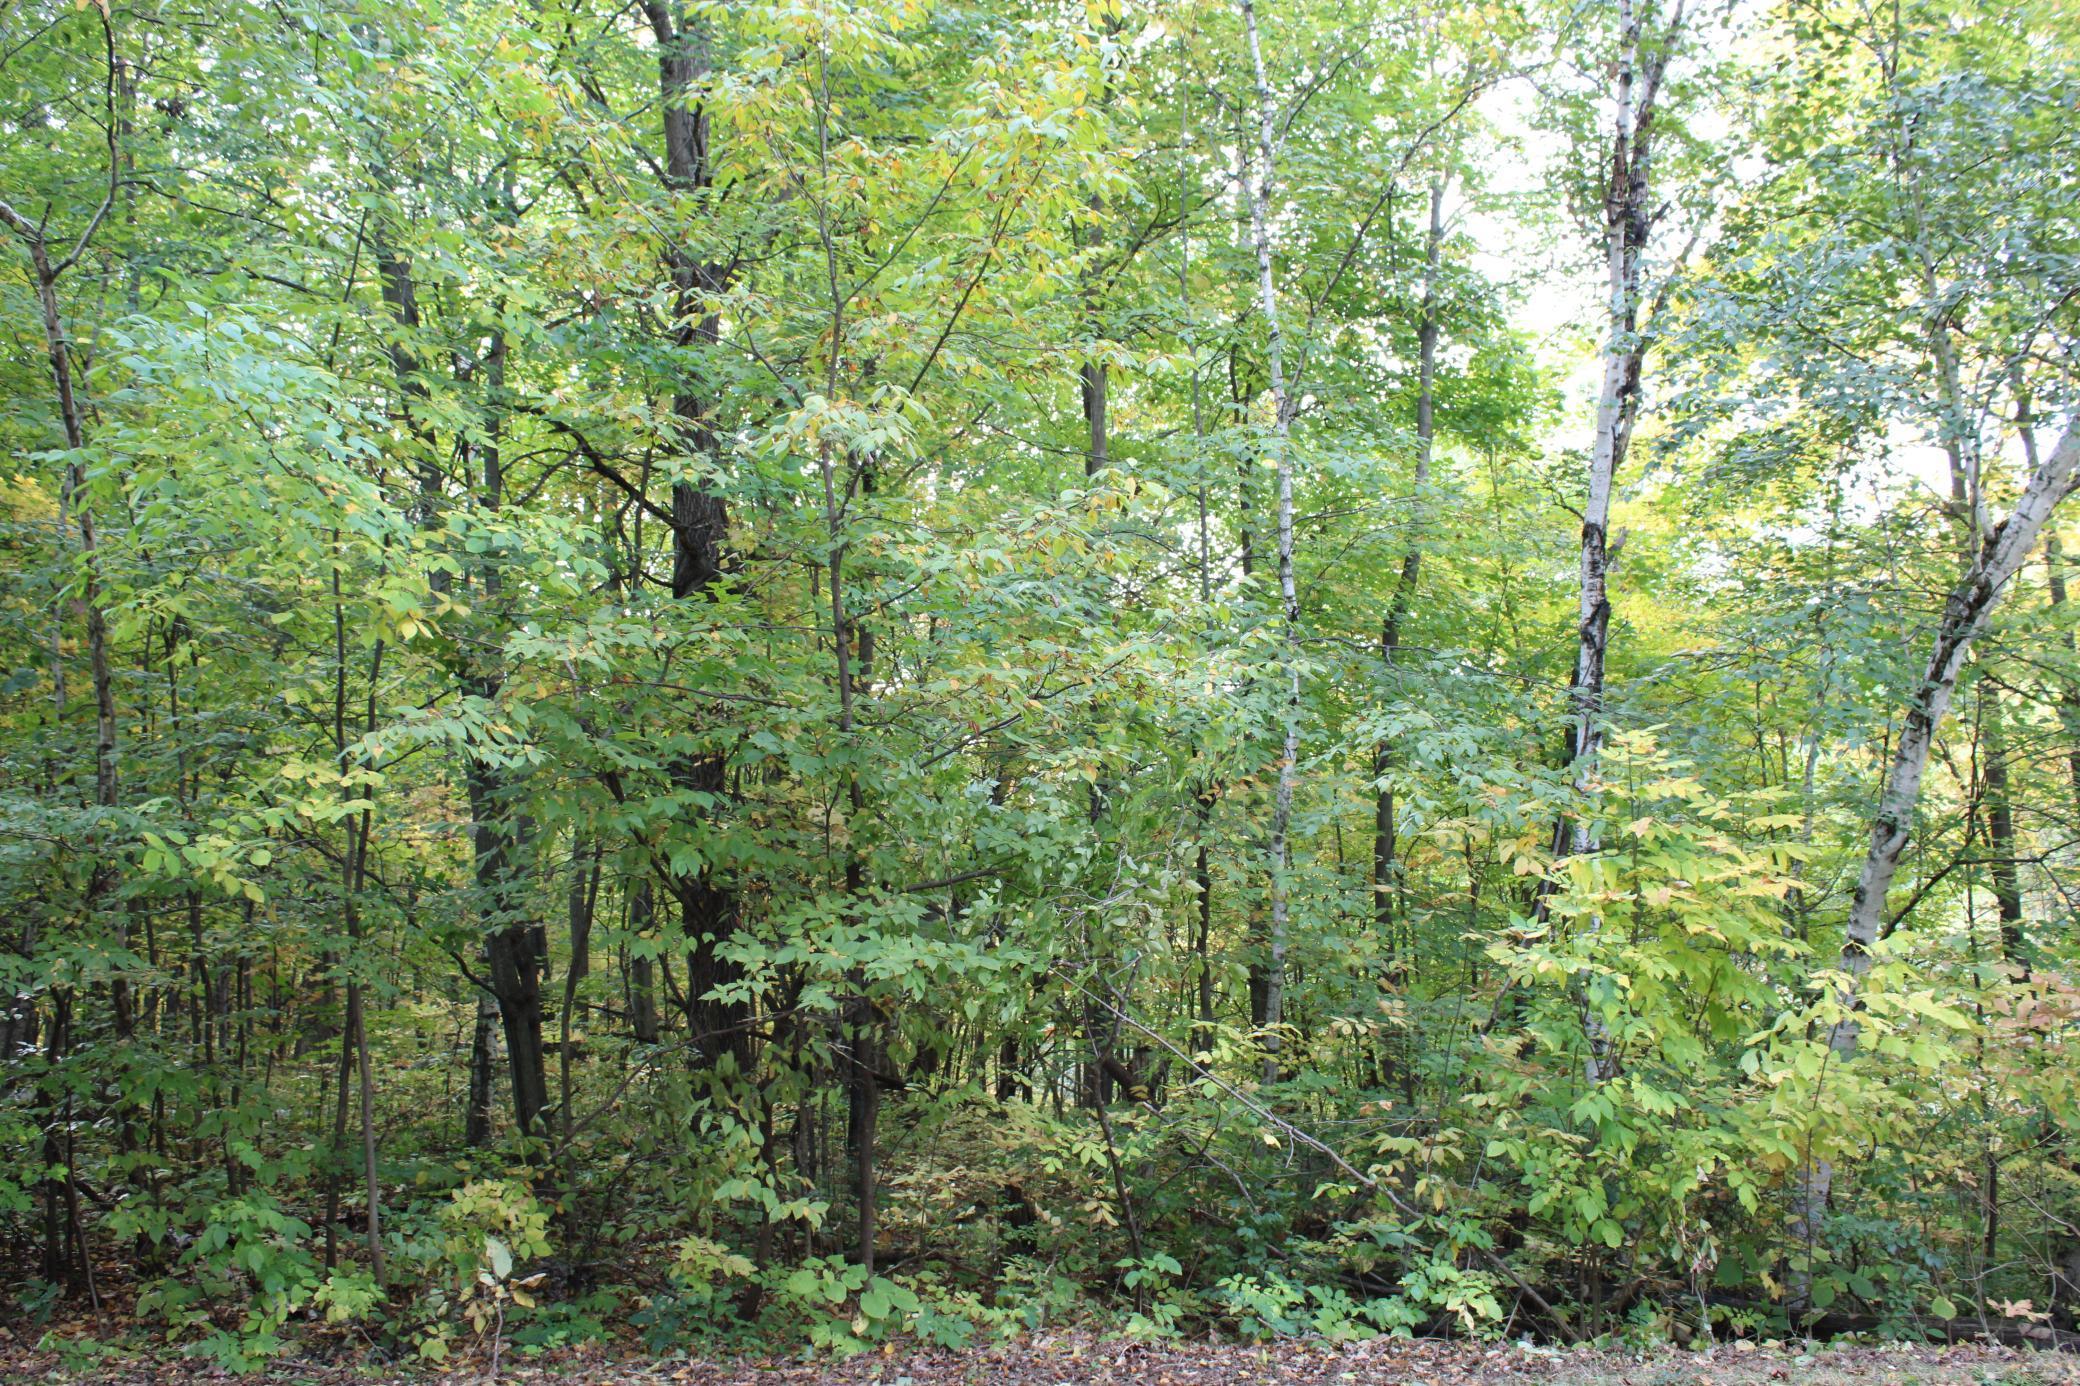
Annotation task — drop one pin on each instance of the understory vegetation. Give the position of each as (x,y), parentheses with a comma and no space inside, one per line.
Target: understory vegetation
(759,675)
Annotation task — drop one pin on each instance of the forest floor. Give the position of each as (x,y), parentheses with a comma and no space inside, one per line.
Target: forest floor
(1085,1360)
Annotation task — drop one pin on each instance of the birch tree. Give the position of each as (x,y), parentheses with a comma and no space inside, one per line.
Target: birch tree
(1966,611)
(1629,213)
(1262,190)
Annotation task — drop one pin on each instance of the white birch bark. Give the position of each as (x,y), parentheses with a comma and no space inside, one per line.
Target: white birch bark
(1625,221)
(1259,193)
(1965,614)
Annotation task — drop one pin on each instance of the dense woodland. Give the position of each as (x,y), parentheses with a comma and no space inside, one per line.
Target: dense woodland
(756,673)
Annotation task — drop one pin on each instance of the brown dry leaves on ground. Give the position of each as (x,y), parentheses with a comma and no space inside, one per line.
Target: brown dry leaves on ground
(1084,1360)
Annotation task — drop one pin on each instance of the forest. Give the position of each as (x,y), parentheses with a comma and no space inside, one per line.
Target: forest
(800,676)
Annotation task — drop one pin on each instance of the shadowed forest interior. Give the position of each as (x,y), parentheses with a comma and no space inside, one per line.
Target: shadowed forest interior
(750,675)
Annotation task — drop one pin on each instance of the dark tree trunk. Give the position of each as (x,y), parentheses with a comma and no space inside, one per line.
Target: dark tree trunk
(2069,696)
(56,1262)
(2055,564)
(2000,832)
(584,895)
(62,1222)
(863,1094)
(700,529)
(1387,885)
(513,953)
(642,972)
(1202,939)
(1096,389)
(483,1074)
(1010,1080)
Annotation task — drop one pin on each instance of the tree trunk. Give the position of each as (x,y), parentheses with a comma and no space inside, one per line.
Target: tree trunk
(1627,220)
(1260,192)
(1387,885)
(1010,1081)
(57,1039)
(2000,830)
(73,510)
(863,1118)
(2069,696)
(354,1056)
(700,529)
(372,1190)
(1202,938)
(483,1075)
(642,972)
(1965,613)
(584,893)
(2055,579)
(1093,378)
